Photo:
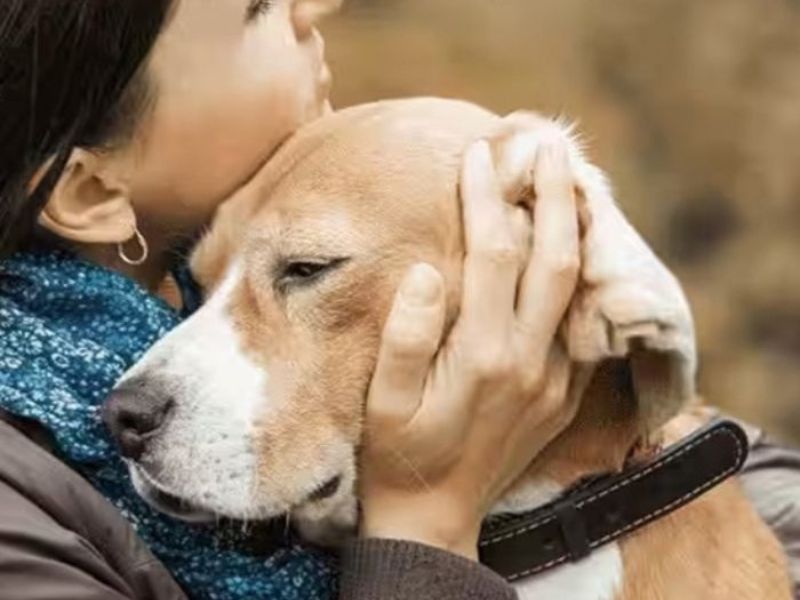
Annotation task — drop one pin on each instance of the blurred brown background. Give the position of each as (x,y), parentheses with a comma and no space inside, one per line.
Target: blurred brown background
(693,107)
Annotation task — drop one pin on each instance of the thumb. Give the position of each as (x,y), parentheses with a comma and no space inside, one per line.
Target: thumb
(411,337)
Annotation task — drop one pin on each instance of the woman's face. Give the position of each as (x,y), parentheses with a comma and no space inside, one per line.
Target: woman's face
(232,79)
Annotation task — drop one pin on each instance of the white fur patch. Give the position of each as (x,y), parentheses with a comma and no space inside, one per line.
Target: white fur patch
(596,577)
(206,453)
(527,496)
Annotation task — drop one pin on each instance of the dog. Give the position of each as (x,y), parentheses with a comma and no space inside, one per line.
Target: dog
(266,382)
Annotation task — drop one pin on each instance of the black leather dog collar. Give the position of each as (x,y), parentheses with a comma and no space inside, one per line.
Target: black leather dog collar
(568,529)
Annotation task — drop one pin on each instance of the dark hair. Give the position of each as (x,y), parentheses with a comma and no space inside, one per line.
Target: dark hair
(70,76)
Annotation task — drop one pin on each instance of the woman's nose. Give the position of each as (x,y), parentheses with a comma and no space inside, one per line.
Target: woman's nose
(306,15)
(133,416)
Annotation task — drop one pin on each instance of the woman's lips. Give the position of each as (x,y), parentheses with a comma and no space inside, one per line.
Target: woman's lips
(325,80)
(324,85)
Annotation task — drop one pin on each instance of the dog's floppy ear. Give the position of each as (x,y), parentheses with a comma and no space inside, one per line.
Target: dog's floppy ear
(628,304)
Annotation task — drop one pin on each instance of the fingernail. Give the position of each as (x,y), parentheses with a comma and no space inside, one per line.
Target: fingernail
(422,286)
(555,154)
(481,154)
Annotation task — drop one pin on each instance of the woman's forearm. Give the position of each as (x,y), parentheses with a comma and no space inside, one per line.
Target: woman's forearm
(378,569)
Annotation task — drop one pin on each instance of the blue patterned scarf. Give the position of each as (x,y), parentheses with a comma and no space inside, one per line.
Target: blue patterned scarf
(68,331)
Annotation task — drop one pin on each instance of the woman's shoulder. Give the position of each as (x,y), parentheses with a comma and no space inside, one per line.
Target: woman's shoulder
(771,479)
(55,525)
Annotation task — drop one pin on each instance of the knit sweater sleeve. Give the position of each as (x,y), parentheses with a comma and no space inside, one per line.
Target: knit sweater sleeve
(375,569)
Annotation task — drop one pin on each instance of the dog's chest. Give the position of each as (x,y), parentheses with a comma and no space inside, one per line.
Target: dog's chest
(597,577)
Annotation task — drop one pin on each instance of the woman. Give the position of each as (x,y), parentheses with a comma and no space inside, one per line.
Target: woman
(124,124)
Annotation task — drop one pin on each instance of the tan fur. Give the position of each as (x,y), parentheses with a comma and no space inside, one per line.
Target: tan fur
(378,185)
(717,543)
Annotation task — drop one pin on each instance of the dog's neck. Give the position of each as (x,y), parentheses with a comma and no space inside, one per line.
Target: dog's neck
(603,437)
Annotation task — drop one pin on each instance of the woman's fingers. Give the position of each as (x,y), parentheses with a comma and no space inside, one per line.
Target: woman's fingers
(411,337)
(493,252)
(554,405)
(545,415)
(549,282)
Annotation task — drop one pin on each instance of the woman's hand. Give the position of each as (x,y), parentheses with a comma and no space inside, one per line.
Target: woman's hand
(447,433)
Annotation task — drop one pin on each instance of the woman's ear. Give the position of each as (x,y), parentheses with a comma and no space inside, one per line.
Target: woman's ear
(91,202)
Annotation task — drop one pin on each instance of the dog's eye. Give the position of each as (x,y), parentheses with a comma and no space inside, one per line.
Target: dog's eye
(306,272)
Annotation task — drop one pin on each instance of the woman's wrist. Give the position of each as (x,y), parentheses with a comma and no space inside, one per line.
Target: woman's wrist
(424,521)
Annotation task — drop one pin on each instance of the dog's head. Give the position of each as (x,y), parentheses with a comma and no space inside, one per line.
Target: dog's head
(252,408)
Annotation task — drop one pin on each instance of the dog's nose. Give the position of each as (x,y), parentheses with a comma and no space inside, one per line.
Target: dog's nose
(133,415)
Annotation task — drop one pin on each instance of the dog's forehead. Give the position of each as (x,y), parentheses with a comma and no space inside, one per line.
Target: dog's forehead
(388,168)
(373,157)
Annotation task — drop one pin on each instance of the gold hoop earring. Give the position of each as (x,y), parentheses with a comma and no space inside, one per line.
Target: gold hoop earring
(145,250)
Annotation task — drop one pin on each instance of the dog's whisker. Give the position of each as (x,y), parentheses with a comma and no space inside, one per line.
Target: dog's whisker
(287,526)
